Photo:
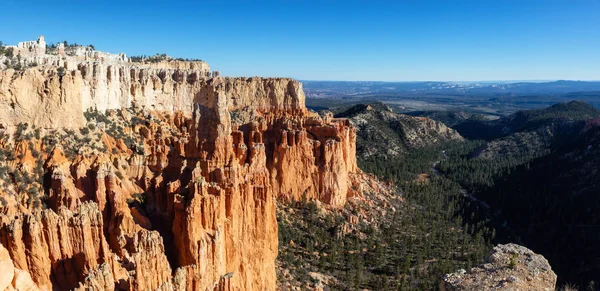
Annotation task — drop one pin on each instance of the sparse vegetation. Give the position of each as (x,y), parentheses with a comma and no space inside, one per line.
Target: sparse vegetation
(9,52)
(513,261)
(19,181)
(84,131)
(137,199)
(82,141)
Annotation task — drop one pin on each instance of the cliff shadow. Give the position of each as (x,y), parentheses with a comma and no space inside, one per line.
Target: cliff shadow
(67,273)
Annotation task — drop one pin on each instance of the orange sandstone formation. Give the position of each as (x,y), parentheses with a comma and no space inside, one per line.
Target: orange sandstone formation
(182,198)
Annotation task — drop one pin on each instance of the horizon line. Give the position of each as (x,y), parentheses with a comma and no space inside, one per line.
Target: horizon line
(470,81)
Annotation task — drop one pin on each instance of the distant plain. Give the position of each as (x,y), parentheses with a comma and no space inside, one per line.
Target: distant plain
(485,98)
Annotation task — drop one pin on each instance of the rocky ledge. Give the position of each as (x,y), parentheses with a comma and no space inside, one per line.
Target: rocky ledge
(509,267)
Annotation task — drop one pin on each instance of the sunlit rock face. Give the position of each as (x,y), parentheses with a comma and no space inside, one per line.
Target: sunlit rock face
(173,188)
(56,93)
(508,267)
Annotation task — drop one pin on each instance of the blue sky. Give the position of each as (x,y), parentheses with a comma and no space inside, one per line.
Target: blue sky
(335,40)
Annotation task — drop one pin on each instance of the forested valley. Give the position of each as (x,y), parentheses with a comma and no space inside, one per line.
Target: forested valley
(459,198)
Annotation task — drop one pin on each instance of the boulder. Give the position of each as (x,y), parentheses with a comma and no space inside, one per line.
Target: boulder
(509,267)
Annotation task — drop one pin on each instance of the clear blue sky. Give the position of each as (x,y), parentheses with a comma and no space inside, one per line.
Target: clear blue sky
(335,40)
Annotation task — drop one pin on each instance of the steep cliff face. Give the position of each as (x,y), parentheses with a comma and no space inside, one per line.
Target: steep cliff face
(56,96)
(179,195)
(57,93)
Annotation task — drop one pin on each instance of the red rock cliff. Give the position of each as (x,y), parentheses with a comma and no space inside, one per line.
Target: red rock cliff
(141,200)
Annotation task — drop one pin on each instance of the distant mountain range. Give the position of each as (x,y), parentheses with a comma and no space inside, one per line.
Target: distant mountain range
(315,89)
(485,98)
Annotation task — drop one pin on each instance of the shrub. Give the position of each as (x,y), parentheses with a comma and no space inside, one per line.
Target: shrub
(61,71)
(10,155)
(9,52)
(18,135)
(141,197)
(513,261)
(137,198)
(139,149)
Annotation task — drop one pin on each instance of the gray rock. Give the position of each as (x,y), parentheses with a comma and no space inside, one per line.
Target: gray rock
(508,267)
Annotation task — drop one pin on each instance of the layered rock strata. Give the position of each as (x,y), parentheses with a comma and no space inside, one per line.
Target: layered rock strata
(159,199)
(57,92)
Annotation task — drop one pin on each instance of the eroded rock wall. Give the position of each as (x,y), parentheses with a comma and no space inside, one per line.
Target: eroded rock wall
(56,95)
(160,199)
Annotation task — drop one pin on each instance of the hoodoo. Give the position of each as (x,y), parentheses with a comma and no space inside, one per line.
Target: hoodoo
(154,176)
